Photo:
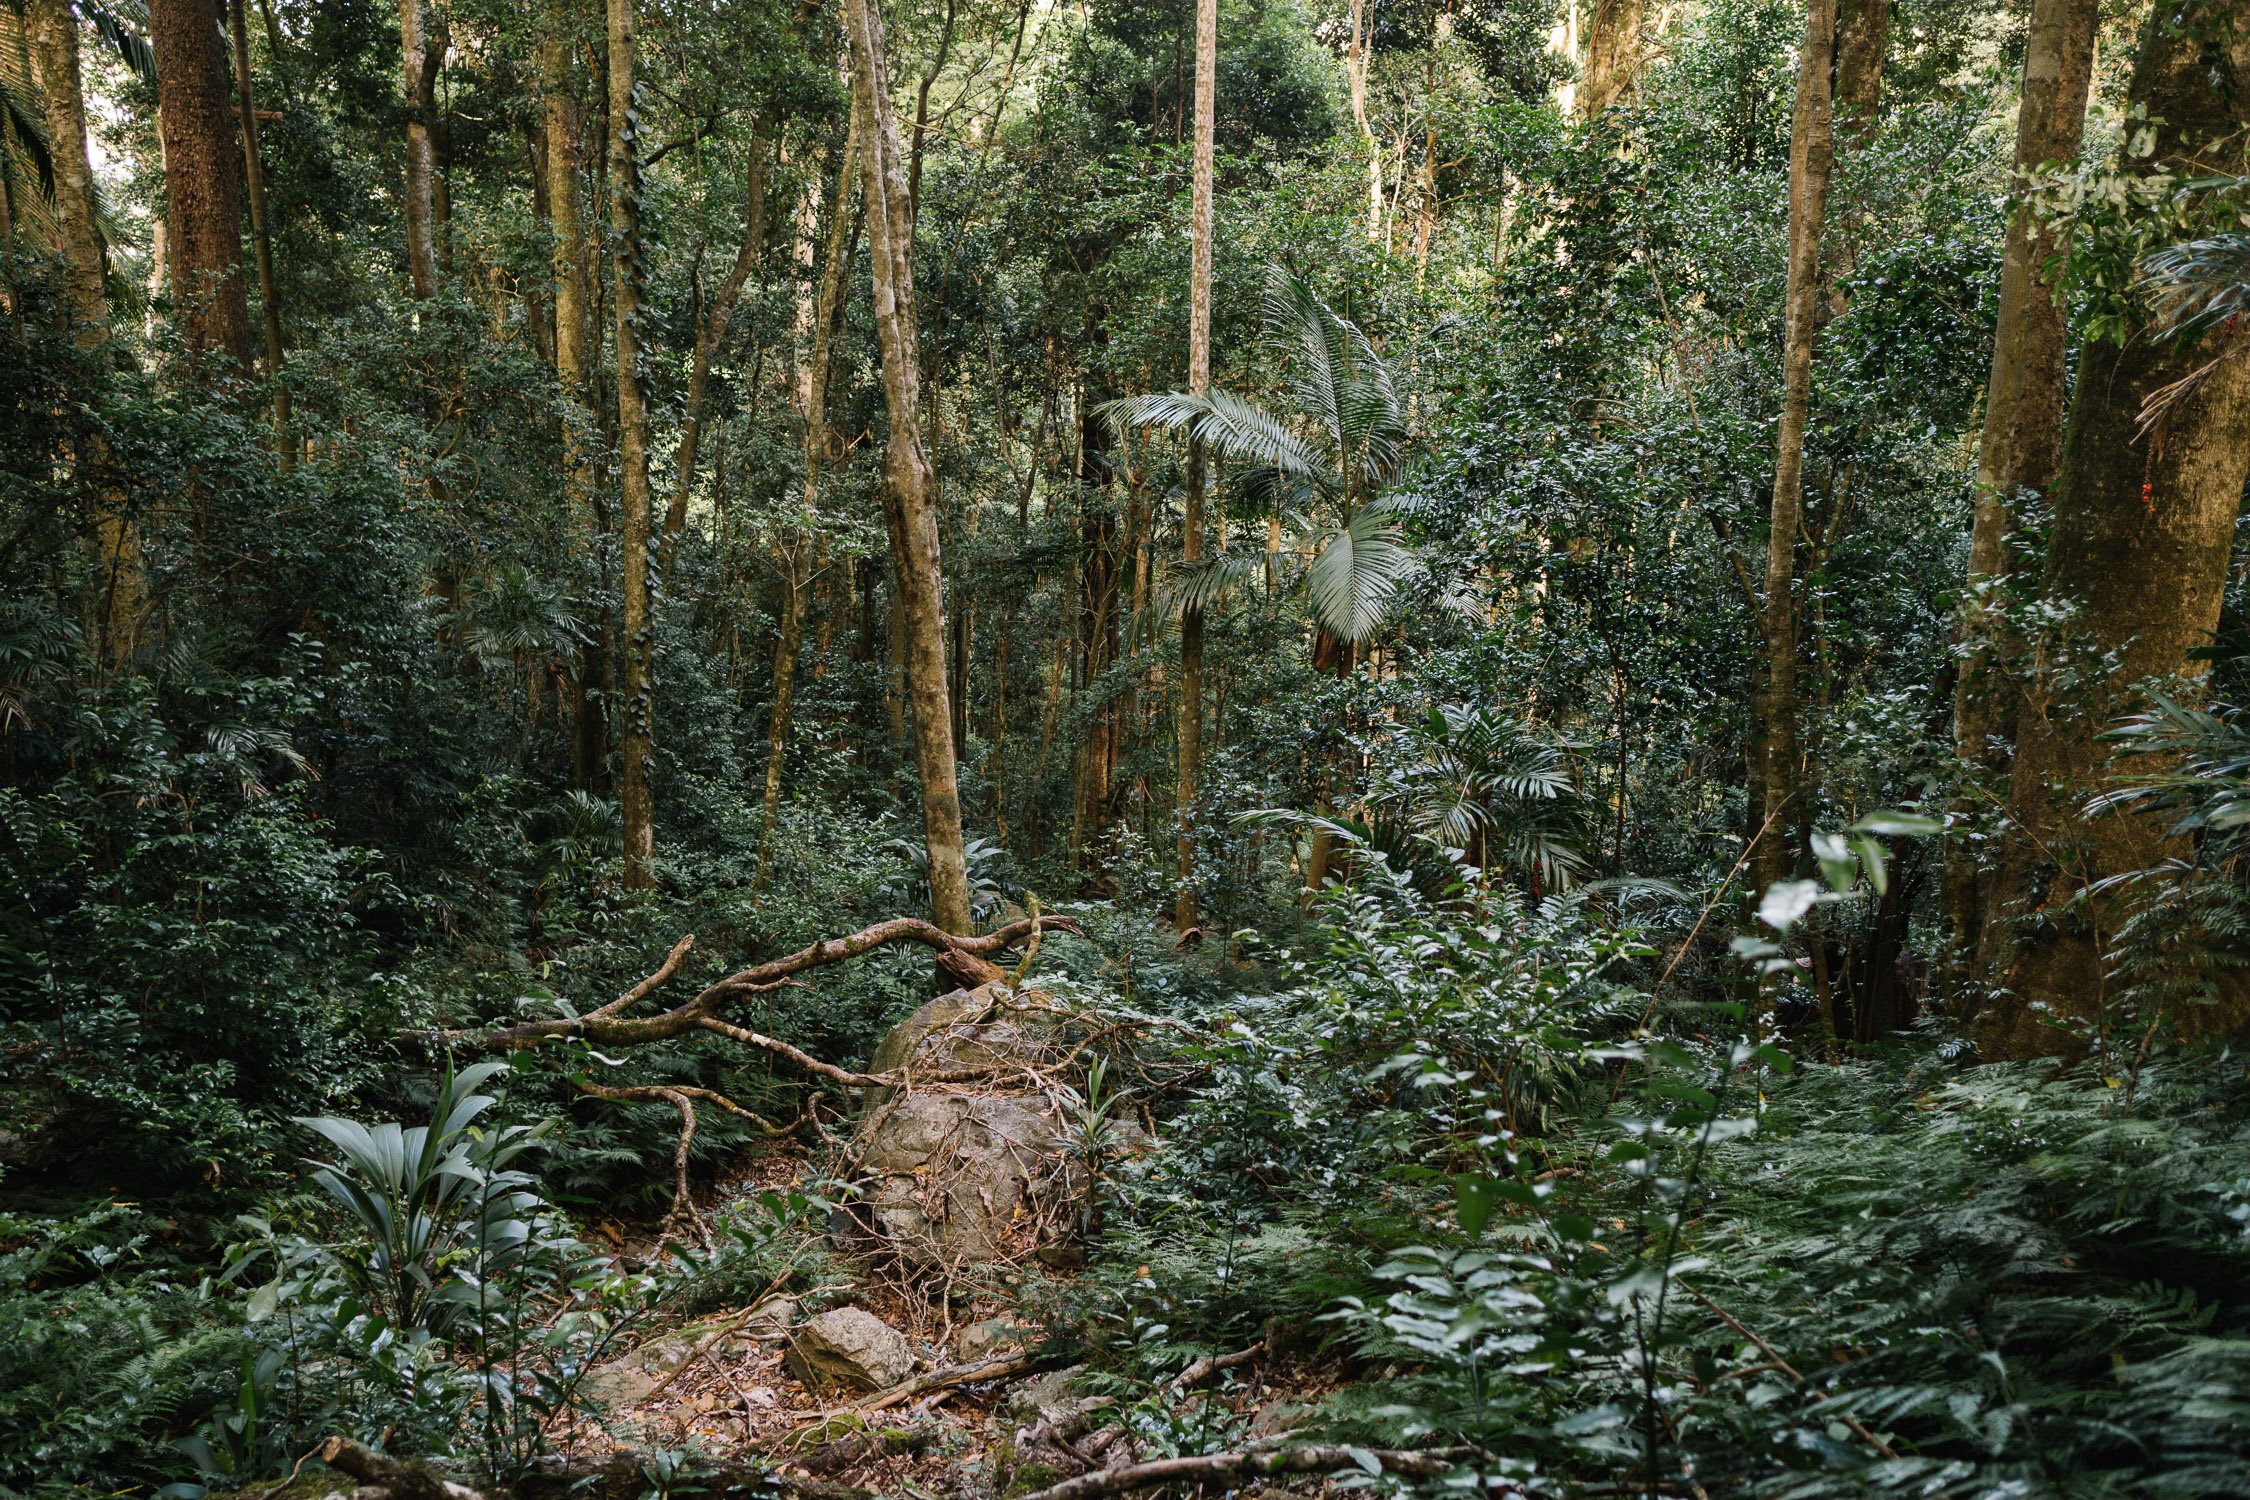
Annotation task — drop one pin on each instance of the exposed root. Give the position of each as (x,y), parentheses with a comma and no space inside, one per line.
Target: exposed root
(1209,1468)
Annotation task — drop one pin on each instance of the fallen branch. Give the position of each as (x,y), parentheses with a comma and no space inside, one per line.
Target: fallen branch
(999,1367)
(1203,1369)
(1311,1458)
(404,1481)
(964,958)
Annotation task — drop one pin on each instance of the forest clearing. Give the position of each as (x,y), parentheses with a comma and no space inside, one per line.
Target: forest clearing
(1047,749)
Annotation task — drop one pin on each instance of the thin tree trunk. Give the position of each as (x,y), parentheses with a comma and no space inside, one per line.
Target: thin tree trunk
(2144,525)
(261,231)
(1810,154)
(1189,715)
(420,70)
(2023,404)
(709,336)
(202,194)
(639,685)
(909,482)
(1355,67)
(813,388)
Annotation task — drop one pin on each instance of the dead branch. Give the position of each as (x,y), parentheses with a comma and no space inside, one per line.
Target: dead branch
(964,958)
(999,1367)
(1310,1458)
(1203,1369)
(403,1481)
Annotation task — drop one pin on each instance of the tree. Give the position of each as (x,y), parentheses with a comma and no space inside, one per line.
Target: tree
(2021,439)
(909,491)
(1780,780)
(636,499)
(1343,437)
(52,32)
(203,197)
(2145,506)
(819,318)
(1189,717)
(422,51)
(1613,54)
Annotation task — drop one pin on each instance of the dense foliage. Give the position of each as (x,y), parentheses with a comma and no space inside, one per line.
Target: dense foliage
(1493,1082)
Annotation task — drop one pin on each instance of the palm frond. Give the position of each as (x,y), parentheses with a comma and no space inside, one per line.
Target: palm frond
(1206,585)
(2199,286)
(1356,576)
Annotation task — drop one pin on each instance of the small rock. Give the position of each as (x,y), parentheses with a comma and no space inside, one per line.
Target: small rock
(1043,1395)
(851,1347)
(990,1336)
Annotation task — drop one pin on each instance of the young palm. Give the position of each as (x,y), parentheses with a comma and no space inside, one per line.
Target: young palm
(1325,457)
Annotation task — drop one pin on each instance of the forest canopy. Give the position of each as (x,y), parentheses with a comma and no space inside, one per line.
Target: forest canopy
(996,748)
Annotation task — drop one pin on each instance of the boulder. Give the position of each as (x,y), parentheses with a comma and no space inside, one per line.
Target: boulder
(951,1178)
(849,1347)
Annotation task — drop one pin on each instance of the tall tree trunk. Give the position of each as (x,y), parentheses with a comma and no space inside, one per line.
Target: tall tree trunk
(1189,715)
(420,73)
(1811,151)
(813,396)
(2144,524)
(52,31)
(709,335)
(1356,63)
(202,192)
(639,686)
(909,483)
(574,372)
(1863,31)
(1613,54)
(261,229)
(2023,407)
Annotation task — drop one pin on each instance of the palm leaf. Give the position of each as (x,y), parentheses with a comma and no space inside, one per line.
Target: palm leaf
(1356,576)
(1204,586)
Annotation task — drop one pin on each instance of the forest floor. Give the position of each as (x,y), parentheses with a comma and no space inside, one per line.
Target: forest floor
(715,1397)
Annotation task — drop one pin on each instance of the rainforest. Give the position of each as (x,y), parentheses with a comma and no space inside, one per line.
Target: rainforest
(1045,749)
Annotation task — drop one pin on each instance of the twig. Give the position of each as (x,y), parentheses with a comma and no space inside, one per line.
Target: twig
(1203,1369)
(1787,1368)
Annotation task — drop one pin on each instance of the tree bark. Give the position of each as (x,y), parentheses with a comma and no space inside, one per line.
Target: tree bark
(1355,66)
(1613,54)
(813,389)
(1863,30)
(1189,714)
(636,498)
(2020,443)
(420,75)
(261,229)
(709,335)
(52,31)
(2144,524)
(909,482)
(1811,152)
(203,198)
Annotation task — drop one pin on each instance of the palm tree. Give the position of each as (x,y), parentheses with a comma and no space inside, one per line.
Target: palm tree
(1323,460)
(1483,786)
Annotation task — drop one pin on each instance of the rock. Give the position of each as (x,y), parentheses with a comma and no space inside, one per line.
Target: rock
(849,1347)
(991,1336)
(951,1176)
(632,1378)
(1043,1396)
(960,1031)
